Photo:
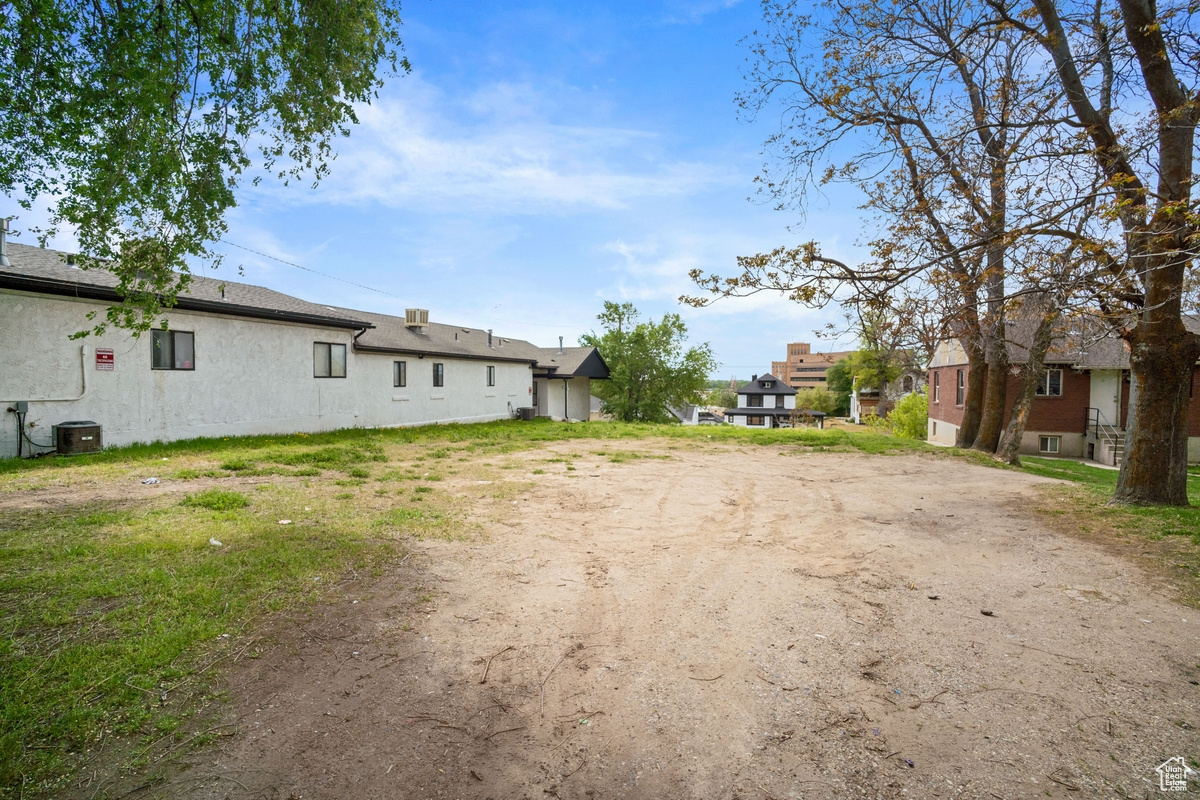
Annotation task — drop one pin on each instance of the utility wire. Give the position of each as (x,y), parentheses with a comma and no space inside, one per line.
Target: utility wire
(309,269)
(372,288)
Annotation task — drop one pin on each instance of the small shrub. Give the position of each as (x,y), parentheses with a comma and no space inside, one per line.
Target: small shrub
(910,418)
(217,500)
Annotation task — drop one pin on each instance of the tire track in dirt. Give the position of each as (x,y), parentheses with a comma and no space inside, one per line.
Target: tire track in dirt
(686,629)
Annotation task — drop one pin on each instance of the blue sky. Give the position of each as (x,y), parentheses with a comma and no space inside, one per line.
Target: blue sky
(542,158)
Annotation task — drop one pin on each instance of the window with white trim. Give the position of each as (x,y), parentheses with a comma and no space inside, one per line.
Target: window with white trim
(1049,444)
(491,376)
(1050,384)
(329,360)
(399,373)
(937,387)
(172,350)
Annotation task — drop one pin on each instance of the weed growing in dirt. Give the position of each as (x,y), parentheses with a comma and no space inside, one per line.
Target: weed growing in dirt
(217,500)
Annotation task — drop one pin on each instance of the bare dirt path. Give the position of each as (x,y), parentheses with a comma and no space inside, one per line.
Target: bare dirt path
(750,623)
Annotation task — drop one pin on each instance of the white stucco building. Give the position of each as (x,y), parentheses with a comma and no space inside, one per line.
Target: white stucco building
(240,359)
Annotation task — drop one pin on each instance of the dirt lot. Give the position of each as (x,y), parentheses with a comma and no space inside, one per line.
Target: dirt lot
(729,623)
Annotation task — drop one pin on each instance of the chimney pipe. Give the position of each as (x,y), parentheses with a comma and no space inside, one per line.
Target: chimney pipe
(4,262)
(754,377)
(560,345)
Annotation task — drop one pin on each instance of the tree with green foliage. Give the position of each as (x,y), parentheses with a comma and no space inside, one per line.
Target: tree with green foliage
(136,120)
(722,397)
(649,366)
(817,399)
(840,383)
(909,418)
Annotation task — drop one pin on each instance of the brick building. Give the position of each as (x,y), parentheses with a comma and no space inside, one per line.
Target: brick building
(1080,407)
(805,369)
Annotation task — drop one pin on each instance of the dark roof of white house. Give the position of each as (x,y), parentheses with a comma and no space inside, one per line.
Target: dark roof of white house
(46,271)
(758,386)
(40,270)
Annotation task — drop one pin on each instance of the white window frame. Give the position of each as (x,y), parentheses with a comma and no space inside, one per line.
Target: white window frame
(491,375)
(1050,445)
(1045,385)
(937,387)
(324,364)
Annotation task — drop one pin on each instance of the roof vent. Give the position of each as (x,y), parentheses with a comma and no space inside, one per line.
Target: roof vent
(416,318)
(489,337)
(4,262)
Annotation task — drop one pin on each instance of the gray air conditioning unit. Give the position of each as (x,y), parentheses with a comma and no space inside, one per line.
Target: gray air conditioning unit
(80,436)
(525,412)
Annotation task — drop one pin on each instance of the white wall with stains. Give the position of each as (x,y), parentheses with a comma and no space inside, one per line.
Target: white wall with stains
(251,377)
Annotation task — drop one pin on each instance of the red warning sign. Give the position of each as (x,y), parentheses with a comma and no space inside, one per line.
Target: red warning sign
(105,359)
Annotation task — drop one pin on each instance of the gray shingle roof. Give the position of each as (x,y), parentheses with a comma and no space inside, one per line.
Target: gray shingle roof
(41,270)
(756,386)
(38,269)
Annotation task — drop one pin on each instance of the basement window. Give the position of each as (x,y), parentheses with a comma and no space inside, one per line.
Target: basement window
(329,360)
(399,373)
(491,376)
(1049,444)
(172,350)
(1050,384)
(439,374)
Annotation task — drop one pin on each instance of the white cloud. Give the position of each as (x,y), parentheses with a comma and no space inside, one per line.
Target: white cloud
(495,151)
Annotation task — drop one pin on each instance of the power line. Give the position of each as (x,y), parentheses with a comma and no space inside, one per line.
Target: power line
(372,288)
(309,269)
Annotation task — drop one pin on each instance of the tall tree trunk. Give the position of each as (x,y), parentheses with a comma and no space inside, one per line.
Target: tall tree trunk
(1154,470)
(977,373)
(1031,374)
(991,420)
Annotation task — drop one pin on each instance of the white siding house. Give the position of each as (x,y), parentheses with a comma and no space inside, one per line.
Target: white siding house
(239,359)
(767,402)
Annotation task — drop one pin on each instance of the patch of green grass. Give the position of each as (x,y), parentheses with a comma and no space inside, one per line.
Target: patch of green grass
(358,472)
(106,609)
(539,472)
(237,465)
(422,489)
(622,456)
(217,500)
(1090,508)
(423,523)
(192,474)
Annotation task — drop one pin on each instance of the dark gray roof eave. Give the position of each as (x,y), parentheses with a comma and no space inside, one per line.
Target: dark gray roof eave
(85,291)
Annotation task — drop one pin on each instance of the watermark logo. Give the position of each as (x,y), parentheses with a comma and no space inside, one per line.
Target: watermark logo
(1173,775)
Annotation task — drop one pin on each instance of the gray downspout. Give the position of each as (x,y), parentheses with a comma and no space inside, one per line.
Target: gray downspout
(566,416)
